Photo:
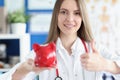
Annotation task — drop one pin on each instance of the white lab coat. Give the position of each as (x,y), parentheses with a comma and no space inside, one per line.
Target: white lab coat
(69,66)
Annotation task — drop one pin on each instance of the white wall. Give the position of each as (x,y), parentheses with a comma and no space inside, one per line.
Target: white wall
(104,16)
(12,5)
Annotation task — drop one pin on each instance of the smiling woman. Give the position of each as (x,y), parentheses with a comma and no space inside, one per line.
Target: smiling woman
(69,21)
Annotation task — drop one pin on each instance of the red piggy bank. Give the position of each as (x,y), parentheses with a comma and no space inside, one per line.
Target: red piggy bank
(45,55)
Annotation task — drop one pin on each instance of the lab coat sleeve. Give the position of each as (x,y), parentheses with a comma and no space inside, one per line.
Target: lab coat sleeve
(108,54)
(8,75)
(111,56)
(117,76)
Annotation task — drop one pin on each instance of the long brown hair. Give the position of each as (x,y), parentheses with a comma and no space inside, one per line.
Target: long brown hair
(84,32)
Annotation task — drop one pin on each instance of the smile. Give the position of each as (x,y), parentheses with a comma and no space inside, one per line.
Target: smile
(69,25)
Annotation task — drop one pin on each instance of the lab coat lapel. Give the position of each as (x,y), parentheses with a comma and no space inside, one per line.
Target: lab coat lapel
(61,52)
(89,75)
(78,49)
(83,74)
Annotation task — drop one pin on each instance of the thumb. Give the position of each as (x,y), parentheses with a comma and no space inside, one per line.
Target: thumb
(93,47)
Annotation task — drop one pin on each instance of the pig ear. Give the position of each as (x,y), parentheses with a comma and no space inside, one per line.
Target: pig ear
(53,46)
(36,47)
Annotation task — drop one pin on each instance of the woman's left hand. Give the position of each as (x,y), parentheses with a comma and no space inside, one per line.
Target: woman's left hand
(93,61)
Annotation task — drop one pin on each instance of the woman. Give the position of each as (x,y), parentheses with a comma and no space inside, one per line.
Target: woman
(77,56)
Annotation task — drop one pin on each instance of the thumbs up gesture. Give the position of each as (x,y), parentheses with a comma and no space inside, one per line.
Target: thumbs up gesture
(93,61)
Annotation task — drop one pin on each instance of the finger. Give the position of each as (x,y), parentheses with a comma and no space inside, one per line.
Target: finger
(43,68)
(84,56)
(93,46)
(85,65)
(38,69)
(30,62)
(83,61)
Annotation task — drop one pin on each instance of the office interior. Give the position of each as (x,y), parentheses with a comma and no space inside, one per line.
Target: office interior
(104,17)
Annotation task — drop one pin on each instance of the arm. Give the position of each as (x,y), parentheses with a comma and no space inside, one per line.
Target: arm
(96,62)
(21,70)
(112,67)
(25,68)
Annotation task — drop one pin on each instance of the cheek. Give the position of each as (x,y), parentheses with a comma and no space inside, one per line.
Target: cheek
(60,21)
(79,21)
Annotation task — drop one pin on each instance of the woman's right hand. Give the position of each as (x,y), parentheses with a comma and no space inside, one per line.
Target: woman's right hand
(25,68)
(29,66)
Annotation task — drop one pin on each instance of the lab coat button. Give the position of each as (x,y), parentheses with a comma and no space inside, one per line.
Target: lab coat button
(75,75)
(57,51)
(63,72)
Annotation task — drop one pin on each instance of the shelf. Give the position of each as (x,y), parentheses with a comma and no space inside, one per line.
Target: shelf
(12,36)
(24,43)
(4,70)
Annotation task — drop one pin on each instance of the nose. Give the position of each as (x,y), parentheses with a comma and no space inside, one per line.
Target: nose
(70,17)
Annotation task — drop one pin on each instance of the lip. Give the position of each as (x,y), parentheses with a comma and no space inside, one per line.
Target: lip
(69,25)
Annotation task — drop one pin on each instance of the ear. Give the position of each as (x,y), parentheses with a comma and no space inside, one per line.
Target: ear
(36,47)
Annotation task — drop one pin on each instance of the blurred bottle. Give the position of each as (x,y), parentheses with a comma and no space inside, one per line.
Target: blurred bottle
(2,52)
(13,60)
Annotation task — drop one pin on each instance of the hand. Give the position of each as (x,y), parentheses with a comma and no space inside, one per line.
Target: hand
(25,68)
(93,61)
(29,66)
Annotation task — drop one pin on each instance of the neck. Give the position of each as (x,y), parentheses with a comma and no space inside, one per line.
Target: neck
(67,42)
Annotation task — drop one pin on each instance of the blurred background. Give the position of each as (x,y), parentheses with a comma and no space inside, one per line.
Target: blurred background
(32,18)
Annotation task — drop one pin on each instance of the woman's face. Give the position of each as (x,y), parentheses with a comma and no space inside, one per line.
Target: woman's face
(69,18)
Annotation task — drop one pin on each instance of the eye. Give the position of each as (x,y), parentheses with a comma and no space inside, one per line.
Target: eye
(77,13)
(63,12)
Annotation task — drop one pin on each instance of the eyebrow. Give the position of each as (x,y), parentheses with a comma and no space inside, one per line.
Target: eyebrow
(63,9)
(67,10)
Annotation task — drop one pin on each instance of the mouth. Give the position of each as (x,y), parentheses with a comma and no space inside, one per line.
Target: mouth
(69,25)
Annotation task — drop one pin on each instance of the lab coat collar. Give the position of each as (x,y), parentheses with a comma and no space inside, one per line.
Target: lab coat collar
(59,44)
(76,47)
